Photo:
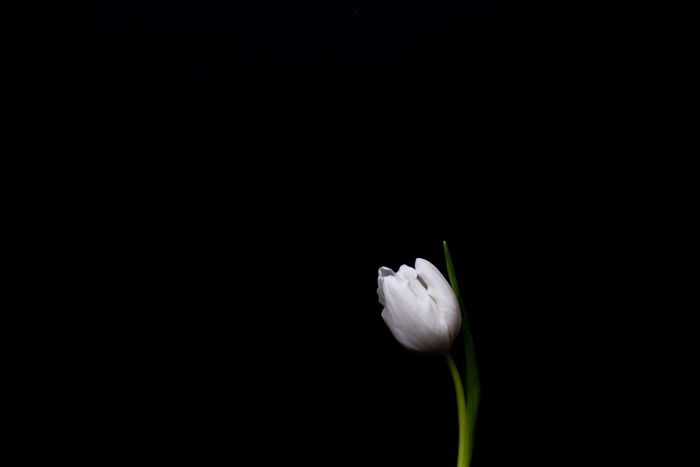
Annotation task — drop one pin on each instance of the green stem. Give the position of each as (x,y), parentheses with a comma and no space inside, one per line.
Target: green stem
(473,392)
(462,452)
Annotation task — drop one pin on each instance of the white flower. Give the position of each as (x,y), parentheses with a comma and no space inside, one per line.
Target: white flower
(419,307)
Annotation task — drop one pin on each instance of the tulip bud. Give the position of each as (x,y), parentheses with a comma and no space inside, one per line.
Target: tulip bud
(420,307)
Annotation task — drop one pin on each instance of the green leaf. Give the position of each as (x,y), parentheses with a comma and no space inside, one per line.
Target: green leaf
(472,389)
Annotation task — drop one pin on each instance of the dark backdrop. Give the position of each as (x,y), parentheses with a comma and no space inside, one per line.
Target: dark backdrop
(198,196)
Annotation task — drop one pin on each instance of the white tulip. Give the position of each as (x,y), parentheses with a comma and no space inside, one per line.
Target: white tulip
(419,307)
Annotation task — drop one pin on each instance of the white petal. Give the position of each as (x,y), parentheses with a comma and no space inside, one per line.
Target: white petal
(383,272)
(411,275)
(406,272)
(441,291)
(413,316)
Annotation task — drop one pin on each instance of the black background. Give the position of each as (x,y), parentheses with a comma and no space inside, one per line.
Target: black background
(198,196)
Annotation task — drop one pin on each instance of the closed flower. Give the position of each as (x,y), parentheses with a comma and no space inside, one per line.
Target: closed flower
(420,307)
